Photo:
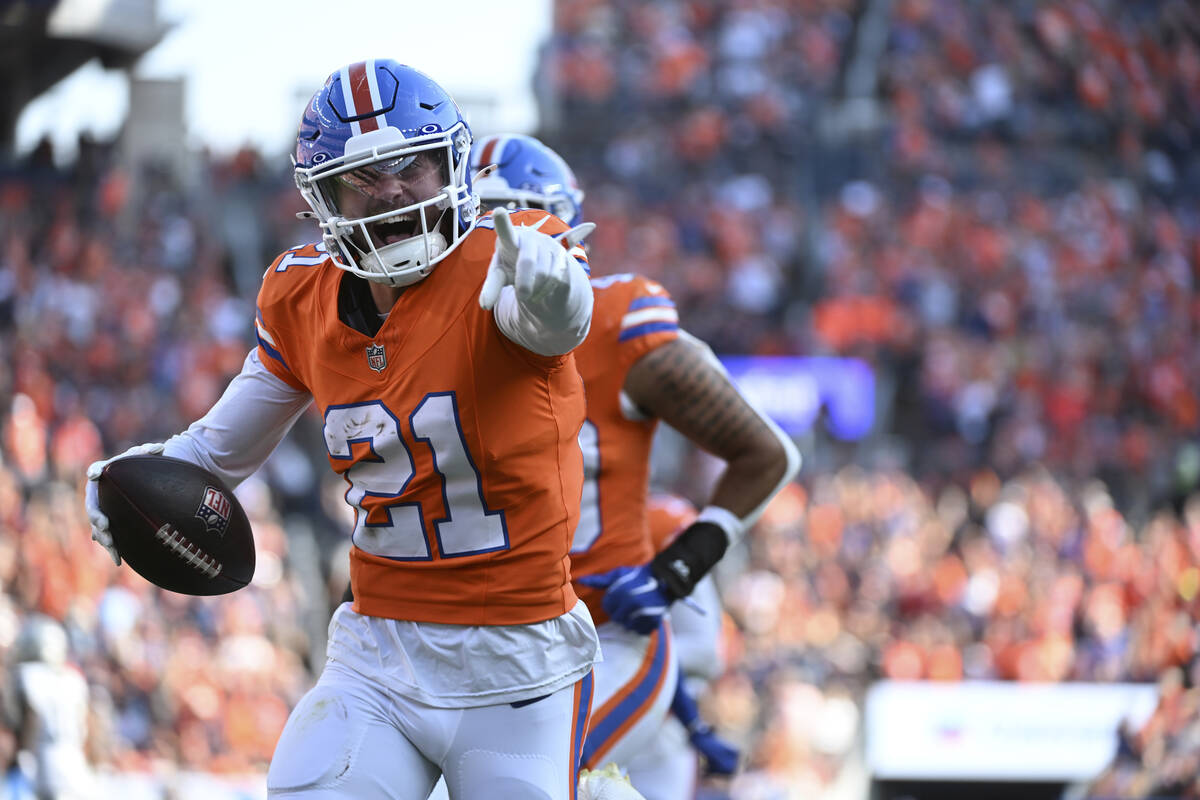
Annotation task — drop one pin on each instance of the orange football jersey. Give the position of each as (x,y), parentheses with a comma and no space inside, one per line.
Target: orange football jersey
(457,445)
(631,316)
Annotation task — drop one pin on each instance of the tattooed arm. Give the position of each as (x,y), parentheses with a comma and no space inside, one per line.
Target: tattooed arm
(683,384)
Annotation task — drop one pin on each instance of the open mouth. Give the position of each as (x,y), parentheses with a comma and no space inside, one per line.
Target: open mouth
(395,230)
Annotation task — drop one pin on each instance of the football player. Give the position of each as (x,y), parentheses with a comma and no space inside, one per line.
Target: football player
(52,700)
(639,367)
(668,767)
(437,348)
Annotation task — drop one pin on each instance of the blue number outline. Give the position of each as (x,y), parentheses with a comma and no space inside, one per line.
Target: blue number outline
(487,511)
(376,458)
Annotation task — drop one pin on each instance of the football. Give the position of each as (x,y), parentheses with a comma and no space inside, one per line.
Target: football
(177,525)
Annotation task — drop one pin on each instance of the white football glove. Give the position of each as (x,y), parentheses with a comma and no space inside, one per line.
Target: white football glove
(533,262)
(91,496)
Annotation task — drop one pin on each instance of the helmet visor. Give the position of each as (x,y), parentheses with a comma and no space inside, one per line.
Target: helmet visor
(376,188)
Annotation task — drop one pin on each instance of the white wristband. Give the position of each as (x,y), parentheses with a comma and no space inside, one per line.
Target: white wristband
(724,519)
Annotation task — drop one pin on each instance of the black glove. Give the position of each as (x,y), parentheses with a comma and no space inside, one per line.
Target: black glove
(681,565)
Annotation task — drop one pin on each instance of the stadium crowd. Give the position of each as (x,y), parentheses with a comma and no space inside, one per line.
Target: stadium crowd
(122,337)
(1009,233)
(1013,248)
(1013,245)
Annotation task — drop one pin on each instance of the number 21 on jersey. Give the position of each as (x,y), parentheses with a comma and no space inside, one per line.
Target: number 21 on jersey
(384,524)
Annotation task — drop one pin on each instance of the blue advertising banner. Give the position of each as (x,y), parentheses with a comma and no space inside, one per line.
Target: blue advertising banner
(792,390)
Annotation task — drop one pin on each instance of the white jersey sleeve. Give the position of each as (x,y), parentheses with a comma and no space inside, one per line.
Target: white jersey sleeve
(245,425)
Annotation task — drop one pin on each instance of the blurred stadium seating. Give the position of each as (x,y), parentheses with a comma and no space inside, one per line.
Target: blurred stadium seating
(993,204)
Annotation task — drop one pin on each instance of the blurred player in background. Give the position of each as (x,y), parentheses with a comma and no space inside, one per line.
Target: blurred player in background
(639,367)
(451,407)
(668,767)
(52,702)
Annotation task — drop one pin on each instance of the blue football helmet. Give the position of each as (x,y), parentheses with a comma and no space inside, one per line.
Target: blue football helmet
(528,174)
(373,138)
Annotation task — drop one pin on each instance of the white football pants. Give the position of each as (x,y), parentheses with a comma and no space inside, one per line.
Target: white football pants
(668,769)
(635,684)
(348,738)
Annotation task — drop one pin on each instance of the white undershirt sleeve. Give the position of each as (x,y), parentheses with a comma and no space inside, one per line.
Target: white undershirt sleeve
(242,429)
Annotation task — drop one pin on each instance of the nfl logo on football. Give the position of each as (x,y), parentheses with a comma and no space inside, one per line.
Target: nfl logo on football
(214,510)
(376,359)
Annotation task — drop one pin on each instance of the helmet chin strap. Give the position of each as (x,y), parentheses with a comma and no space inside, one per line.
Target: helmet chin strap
(417,250)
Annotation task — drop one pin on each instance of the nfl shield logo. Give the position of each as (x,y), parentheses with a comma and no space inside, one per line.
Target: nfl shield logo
(376,359)
(214,510)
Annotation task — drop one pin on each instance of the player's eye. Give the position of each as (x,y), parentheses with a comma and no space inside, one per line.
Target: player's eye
(360,180)
(397,166)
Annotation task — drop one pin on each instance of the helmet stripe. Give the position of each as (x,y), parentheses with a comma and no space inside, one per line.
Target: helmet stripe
(485,157)
(361,92)
(348,98)
(373,86)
